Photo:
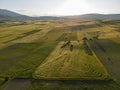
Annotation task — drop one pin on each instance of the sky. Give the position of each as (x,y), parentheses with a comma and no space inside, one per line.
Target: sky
(61,7)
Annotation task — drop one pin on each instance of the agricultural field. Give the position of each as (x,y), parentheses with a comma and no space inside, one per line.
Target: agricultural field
(76,64)
(60,55)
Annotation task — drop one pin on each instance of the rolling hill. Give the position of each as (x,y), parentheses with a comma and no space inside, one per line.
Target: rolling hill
(10,15)
(96,16)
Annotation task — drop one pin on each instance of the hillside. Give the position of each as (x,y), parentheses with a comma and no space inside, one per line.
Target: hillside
(10,15)
(96,16)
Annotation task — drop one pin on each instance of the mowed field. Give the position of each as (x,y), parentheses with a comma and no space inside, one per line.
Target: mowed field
(33,55)
(65,64)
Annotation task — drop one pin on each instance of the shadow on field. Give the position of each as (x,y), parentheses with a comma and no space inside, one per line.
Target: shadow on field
(17,84)
(40,84)
(110,58)
(73,85)
(3,81)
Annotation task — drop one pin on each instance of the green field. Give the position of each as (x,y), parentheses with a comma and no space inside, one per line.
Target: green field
(33,55)
(38,52)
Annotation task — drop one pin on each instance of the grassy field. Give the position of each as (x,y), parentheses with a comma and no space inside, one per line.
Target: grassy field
(76,64)
(31,56)
(35,54)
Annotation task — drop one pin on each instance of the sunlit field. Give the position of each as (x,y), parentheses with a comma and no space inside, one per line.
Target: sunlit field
(60,55)
(76,64)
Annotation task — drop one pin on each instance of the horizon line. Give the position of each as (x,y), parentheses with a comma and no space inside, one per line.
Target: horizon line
(59,15)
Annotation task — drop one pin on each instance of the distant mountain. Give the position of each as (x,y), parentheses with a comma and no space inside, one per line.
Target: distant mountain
(10,15)
(6,14)
(96,16)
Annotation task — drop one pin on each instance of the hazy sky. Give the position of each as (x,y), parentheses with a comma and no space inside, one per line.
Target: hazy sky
(61,7)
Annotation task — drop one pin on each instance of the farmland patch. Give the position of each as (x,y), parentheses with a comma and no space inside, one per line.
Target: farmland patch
(63,63)
(36,53)
(110,58)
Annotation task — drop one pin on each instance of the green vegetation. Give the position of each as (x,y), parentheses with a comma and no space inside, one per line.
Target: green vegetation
(67,36)
(31,32)
(36,53)
(32,56)
(24,35)
(13,54)
(2,81)
(62,38)
(50,36)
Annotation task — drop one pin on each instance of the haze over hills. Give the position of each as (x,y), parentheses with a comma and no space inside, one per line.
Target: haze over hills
(7,14)
(10,15)
(97,16)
